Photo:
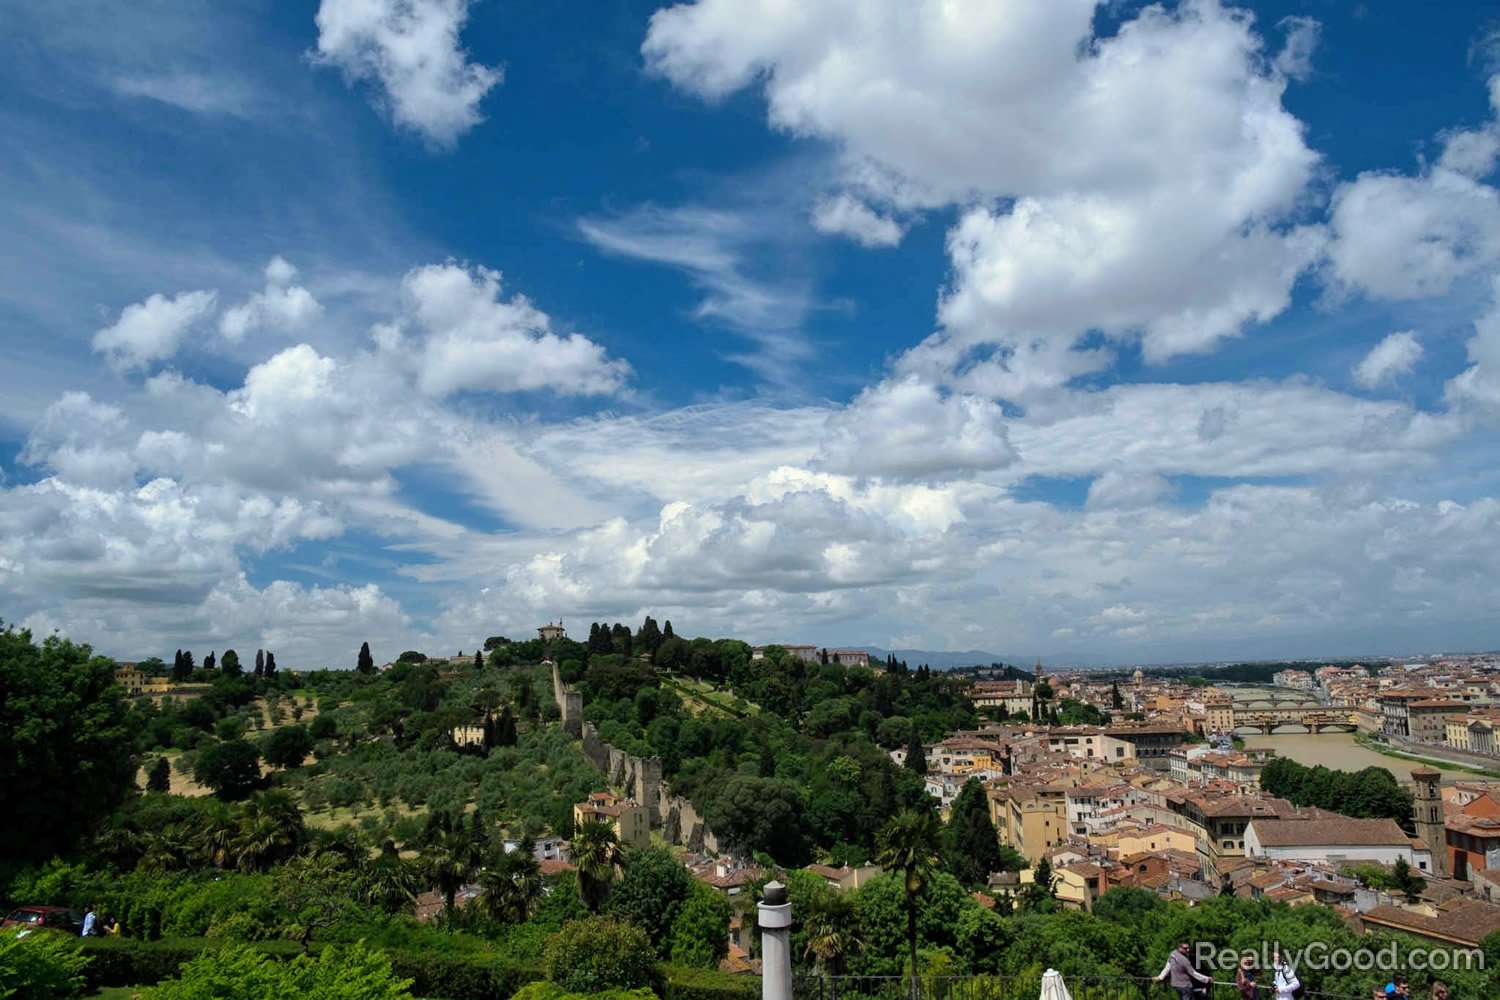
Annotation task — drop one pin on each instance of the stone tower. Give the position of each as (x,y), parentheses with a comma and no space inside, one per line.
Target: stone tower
(1427,812)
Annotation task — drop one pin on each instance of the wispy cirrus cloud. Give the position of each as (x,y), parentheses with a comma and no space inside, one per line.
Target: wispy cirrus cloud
(724,253)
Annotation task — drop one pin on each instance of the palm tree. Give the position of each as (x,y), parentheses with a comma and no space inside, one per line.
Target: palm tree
(270,830)
(451,857)
(909,844)
(214,842)
(596,852)
(512,886)
(390,881)
(169,849)
(831,930)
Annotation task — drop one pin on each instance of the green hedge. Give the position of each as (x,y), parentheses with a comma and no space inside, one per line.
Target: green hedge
(687,983)
(459,976)
(121,961)
(452,975)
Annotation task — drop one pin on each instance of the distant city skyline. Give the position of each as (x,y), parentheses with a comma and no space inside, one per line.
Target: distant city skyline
(1113,333)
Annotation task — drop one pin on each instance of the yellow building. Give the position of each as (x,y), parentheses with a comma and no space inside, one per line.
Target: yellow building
(1218,713)
(1151,839)
(1029,820)
(626,817)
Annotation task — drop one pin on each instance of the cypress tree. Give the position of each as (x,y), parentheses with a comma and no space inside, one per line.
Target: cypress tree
(270,665)
(972,846)
(916,756)
(260,663)
(366,664)
(210,661)
(159,778)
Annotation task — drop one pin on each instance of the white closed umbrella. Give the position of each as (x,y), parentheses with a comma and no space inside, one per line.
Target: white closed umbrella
(1053,987)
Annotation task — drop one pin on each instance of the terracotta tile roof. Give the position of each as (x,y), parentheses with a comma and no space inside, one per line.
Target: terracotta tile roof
(552,866)
(1485,826)
(1329,833)
(1287,893)
(1465,924)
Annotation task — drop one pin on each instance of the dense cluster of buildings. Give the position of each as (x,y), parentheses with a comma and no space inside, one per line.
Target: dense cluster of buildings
(1149,803)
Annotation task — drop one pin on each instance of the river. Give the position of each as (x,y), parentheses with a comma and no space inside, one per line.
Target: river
(1339,751)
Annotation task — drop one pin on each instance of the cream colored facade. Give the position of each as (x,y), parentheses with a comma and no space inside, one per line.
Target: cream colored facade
(468,736)
(625,816)
(1029,822)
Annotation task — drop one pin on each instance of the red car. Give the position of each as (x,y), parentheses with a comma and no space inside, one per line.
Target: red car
(58,918)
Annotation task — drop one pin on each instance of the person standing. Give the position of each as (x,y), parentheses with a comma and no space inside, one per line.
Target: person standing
(1180,974)
(1244,979)
(90,923)
(1439,990)
(1283,978)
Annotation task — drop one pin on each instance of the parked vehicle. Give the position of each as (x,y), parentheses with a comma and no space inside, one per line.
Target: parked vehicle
(30,918)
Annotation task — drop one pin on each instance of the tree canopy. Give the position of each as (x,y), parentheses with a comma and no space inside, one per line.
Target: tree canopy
(67,757)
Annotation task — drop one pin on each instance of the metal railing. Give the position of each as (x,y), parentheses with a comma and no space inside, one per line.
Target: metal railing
(815,987)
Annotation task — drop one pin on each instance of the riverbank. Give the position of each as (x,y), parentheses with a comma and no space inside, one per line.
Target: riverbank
(1443,763)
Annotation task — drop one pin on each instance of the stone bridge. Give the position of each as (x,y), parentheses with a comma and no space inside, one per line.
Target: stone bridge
(1315,718)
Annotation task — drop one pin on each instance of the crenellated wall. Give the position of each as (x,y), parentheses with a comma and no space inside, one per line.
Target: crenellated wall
(640,777)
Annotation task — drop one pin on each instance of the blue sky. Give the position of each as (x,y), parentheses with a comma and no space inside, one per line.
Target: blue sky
(1093,332)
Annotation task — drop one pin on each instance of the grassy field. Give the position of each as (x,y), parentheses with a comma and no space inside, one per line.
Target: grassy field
(702,698)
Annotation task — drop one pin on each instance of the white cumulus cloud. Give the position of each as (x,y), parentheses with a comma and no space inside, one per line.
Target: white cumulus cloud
(411,49)
(1141,184)
(282,305)
(1394,356)
(908,428)
(845,215)
(468,338)
(152,330)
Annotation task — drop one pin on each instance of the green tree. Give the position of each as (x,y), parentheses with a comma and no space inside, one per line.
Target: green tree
(971,845)
(271,830)
(1041,894)
(908,846)
(596,852)
(322,727)
(601,953)
(159,778)
(69,759)
(288,746)
(229,664)
(513,885)
(831,932)
(231,770)
(260,663)
(700,933)
(650,894)
(916,755)
(366,663)
(390,882)
(451,857)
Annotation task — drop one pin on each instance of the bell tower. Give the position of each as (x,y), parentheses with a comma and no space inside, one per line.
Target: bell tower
(1427,815)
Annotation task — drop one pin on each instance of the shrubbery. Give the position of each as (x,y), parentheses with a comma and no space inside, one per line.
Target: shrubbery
(241,973)
(40,966)
(601,953)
